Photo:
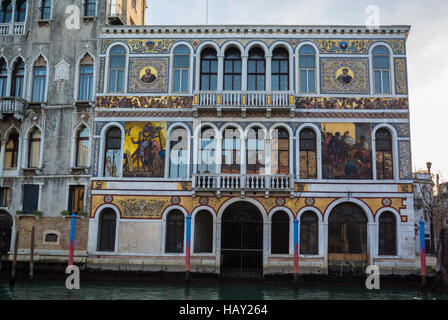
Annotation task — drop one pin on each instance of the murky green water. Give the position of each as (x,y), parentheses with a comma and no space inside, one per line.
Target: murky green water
(55,290)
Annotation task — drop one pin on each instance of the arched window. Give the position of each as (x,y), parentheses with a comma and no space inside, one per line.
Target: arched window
(181,69)
(112,154)
(20,11)
(256,70)
(280,69)
(384,157)
(203,232)
(107,230)
(86,78)
(207,154)
(174,238)
(82,147)
(39,80)
(11,150)
(6,11)
(280,152)
(381,69)
(34,143)
(387,236)
(18,75)
(3,77)
(309,233)
(45,10)
(209,70)
(255,151)
(232,69)
(307,69)
(308,154)
(178,153)
(280,233)
(117,65)
(231,151)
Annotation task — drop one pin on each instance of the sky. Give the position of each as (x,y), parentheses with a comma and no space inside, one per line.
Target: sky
(427,47)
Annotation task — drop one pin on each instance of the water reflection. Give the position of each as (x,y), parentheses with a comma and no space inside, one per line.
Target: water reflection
(55,290)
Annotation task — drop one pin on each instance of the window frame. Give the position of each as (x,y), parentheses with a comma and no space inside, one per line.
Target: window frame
(280,74)
(208,74)
(117,69)
(78,141)
(232,74)
(31,141)
(256,74)
(181,70)
(382,71)
(18,73)
(45,8)
(14,150)
(307,69)
(106,148)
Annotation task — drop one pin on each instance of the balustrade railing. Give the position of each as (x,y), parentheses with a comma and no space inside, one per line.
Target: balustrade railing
(237,182)
(12,105)
(12,28)
(240,98)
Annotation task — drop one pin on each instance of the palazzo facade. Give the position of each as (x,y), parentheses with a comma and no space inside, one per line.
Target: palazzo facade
(263,136)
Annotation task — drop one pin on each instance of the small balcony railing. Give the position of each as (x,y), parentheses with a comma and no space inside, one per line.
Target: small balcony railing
(244,99)
(12,28)
(12,105)
(243,182)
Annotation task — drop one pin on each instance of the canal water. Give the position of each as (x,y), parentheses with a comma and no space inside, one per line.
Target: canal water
(55,290)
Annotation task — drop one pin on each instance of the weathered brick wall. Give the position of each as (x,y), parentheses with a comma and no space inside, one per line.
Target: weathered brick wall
(59,224)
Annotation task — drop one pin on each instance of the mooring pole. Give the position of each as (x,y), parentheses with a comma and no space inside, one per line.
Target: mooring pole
(187,252)
(72,239)
(422,251)
(296,251)
(30,279)
(14,261)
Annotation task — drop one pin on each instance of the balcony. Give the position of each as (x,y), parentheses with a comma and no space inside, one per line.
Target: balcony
(243,182)
(12,105)
(244,101)
(12,28)
(117,13)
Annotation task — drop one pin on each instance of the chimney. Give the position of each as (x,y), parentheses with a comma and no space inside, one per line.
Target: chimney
(428,165)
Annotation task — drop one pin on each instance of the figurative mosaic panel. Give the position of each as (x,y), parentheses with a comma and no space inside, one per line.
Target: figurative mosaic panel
(346,150)
(401,85)
(148,75)
(344,75)
(352,103)
(404,152)
(144,149)
(112,102)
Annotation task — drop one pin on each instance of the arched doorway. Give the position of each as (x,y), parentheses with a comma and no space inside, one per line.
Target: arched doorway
(107,230)
(242,241)
(347,238)
(5,233)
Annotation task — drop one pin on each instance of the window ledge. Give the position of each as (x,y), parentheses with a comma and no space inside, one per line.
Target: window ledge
(89,18)
(79,170)
(31,171)
(36,105)
(44,22)
(77,216)
(28,215)
(83,104)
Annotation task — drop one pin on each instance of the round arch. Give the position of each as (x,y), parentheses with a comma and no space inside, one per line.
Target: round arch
(361,204)
(231,43)
(256,43)
(229,202)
